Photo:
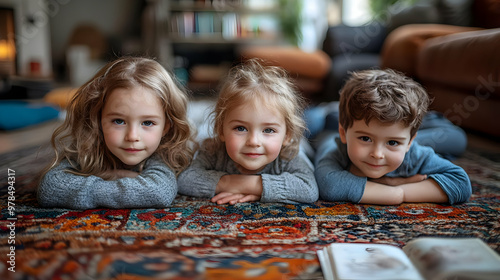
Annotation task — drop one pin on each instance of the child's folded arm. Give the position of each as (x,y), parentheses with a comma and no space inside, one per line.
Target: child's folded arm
(200,178)
(154,187)
(295,184)
(335,183)
(455,183)
(452,178)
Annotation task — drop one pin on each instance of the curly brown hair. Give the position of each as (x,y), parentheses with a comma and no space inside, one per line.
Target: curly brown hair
(385,95)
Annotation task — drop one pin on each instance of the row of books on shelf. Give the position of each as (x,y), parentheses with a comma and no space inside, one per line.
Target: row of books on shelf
(222,25)
(226,4)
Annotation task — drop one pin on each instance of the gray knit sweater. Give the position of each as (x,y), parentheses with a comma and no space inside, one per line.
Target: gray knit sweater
(154,187)
(283,181)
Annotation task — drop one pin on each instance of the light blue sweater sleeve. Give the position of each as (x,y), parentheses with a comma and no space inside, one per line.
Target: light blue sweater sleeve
(336,183)
(452,179)
(154,187)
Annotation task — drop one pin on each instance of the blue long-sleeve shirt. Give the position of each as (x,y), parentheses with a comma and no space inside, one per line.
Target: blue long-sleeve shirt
(336,183)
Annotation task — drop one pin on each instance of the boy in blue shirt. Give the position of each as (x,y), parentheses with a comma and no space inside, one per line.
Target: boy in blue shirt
(373,159)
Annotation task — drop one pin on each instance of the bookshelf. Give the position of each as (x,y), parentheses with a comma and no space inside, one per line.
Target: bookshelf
(229,22)
(192,34)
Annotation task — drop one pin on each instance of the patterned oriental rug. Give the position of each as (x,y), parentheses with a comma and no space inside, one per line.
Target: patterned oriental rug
(197,239)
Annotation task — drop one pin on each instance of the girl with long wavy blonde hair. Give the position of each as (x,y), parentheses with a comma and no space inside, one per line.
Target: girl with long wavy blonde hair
(253,154)
(125,138)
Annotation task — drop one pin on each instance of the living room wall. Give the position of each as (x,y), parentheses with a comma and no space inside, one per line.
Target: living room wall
(118,20)
(44,27)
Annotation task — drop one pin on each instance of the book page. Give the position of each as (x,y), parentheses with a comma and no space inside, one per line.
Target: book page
(326,264)
(371,261)
(437,258)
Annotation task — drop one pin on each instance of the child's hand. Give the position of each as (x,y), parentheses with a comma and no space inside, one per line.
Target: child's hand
(233,198)
(117,174)
(397,181)
(238,183)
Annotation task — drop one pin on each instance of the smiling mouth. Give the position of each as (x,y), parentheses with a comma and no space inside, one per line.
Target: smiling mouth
(252,155)
(374,165)
(132,150)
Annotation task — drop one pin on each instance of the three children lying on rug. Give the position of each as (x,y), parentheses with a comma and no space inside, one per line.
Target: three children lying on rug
(127,143)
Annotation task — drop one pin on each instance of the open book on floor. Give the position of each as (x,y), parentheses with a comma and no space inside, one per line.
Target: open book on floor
(428,258)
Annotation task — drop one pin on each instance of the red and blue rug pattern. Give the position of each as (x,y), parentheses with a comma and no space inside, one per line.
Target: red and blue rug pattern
(197,239)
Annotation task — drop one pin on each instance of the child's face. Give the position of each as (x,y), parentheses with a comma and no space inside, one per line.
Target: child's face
(253,135)
(133,123)
(377,148)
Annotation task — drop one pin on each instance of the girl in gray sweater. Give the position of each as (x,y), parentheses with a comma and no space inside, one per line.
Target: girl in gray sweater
(254,152)
(125,138)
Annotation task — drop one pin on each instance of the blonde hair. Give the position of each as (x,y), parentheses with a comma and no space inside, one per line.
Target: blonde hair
(80,139)
(251,81)
(385,95)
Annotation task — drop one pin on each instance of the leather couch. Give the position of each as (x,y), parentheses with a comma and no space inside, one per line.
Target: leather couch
(459,67)
(456,58)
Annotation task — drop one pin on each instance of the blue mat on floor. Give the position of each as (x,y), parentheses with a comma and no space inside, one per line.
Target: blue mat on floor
(19,114)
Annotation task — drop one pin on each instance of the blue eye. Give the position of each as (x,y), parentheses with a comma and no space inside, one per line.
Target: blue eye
(148,123)
(119,121)
(269,130)
(240,129)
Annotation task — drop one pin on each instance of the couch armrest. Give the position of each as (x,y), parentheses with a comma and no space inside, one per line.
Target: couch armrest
(463,60)
(402,46)
(313,65)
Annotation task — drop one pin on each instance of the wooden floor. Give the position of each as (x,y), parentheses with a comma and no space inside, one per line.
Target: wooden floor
(40,135)
(27,137)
